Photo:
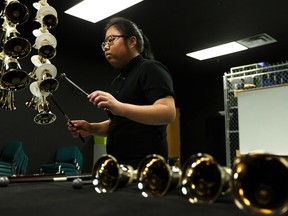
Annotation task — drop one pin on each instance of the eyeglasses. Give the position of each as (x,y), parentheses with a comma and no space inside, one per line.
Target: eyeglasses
(110,40)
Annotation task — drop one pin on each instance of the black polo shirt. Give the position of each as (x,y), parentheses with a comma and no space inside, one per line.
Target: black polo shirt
(142,82)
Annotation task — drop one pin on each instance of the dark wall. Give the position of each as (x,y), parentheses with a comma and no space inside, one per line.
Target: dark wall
(199,92)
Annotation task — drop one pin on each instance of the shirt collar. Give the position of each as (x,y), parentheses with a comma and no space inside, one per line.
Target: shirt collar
(132,62)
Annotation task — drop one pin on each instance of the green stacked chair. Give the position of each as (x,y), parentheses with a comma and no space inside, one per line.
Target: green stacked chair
(68,161)
(13,159)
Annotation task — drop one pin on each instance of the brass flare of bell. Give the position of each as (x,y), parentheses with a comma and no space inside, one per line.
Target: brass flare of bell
(7,100)
(44,116)
(46,50)
(16,46)
(156,177)
(16,12)
(259,183)
(108,174)
(13,78)
(203,179)
(50,21)
(48,83)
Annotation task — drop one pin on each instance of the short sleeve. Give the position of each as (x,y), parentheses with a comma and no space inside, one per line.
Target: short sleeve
(156,81)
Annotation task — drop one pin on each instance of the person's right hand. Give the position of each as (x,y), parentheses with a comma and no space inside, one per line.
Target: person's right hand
(79,128)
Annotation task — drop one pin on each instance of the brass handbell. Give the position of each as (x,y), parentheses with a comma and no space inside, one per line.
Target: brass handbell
(36,96)
(46,45)
(47,16)
(44,116)
(108,174)
(13,78)
(46,74)
(203,179)
(16,12)
(7,100)
(155,176)
(259,183)
(16,46)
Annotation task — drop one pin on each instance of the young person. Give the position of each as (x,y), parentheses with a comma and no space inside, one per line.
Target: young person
(140,102)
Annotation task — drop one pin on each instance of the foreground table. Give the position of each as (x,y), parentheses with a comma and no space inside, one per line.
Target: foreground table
(60,198)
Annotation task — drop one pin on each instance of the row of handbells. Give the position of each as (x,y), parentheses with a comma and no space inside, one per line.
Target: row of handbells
(257,181)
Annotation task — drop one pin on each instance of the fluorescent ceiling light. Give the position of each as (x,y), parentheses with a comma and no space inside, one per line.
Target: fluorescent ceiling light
(235,46)
(220,50)
(95,10)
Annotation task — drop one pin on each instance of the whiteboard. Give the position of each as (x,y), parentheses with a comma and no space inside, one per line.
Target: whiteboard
(263,120)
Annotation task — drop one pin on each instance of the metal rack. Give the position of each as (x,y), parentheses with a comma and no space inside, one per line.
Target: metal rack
(258,75)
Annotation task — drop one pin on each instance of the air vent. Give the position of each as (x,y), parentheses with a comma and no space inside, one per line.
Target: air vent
(257,40)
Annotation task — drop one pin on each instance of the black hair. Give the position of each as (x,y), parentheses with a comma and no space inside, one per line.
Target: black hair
(129,29)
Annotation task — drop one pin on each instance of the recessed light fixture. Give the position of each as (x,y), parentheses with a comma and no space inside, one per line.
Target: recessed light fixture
(220,50)
(232,47)
(95,10)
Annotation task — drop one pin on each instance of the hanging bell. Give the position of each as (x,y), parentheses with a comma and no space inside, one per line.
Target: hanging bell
(46,44)
(7,100)
(16,46)
(36,95)
(44,116)
(16,12)
(47,16)
(46,74)
(13,78)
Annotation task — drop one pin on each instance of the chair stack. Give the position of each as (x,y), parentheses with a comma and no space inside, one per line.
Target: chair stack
(68,161)
(13,159)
